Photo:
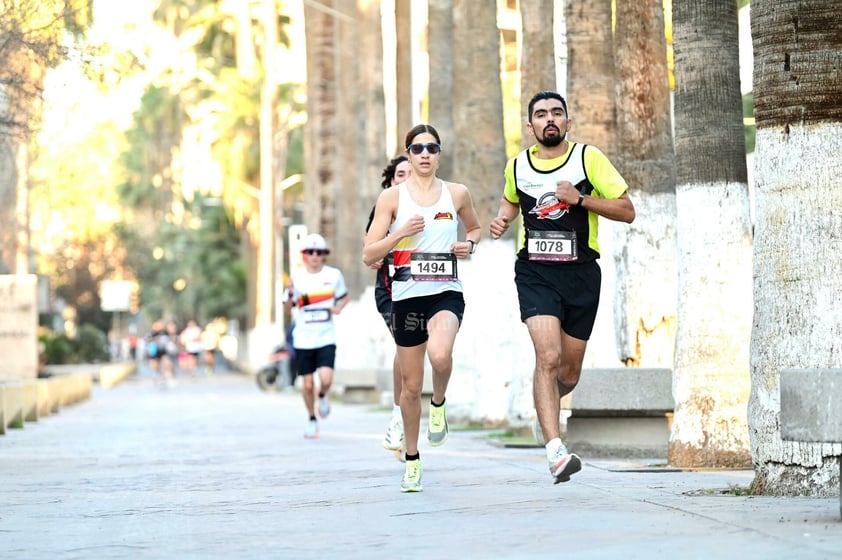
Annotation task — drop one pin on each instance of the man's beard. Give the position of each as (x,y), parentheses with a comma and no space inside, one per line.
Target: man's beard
(552,141)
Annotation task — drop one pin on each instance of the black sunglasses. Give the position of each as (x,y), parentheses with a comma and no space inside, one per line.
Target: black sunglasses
(319,252)
(432,148)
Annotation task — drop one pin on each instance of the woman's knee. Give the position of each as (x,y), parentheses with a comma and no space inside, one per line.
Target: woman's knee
(440,360)
(411,390)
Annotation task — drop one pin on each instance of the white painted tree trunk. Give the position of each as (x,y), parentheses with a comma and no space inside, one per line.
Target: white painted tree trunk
(645,300)
(711,382)
(798,295)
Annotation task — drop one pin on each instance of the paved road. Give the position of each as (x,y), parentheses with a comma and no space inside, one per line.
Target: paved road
(213,468)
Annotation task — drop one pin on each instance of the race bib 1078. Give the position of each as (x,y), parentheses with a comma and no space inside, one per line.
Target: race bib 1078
(552,246)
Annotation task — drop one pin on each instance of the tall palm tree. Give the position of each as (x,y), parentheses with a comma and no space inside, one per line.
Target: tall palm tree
(350,118)
(798,187)
(590,74)
(646,266)
(711,375)
(361,117)
(403,69)
(345,146)
(479,145)
(321,145)
(440,48)
(537,69)
(592,104)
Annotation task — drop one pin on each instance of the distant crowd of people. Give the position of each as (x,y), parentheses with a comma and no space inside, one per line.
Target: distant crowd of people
(170,351)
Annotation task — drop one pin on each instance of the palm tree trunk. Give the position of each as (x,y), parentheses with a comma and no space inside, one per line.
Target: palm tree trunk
(403,69)
(798,188)
(591,78)
(479,145)
(645,251)
(711,379)
(321,146)
(440,46)
(591,102)
(537,68)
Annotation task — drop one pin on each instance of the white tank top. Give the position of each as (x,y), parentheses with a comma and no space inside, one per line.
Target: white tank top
(440,233)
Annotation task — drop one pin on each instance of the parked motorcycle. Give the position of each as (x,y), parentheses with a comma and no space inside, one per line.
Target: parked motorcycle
(277,375)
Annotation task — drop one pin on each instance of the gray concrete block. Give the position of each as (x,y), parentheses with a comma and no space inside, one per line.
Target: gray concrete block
(811,405)
(618,437)
(622,392)
(366,385)
(356,378)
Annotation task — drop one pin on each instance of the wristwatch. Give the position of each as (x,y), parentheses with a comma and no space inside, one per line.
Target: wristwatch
(581,199)
(473,245)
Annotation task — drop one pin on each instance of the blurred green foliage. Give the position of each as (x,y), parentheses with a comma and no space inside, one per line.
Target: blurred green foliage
(89,346)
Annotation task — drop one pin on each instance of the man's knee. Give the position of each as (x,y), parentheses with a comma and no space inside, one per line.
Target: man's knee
(548,359)
(568,378)
(565,388)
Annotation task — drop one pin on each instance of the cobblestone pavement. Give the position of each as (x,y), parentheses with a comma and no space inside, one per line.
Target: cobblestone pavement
(214,468)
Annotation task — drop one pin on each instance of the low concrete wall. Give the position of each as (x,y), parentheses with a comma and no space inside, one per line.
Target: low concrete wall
(12,403)
(29,400)
(371,385)
(622,392)
(111,375)
(612,412)
(623,412)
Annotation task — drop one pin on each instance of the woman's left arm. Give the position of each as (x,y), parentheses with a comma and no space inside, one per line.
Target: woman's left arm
(469,219)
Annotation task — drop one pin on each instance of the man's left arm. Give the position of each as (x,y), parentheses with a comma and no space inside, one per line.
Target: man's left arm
(610,198)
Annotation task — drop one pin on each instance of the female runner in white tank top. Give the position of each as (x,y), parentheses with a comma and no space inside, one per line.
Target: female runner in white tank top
(421,217)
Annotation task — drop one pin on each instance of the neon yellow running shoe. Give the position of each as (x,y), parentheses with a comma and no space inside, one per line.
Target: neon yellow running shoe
(412,476)
(437,425)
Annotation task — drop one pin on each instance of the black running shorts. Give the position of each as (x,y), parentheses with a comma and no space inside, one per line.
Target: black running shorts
(569,291)
(410,316)
(311,359)
(383,299)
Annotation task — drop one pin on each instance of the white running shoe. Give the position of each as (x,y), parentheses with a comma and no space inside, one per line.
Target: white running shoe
(394,434)
(312,429)
(324,406)
(564,464)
